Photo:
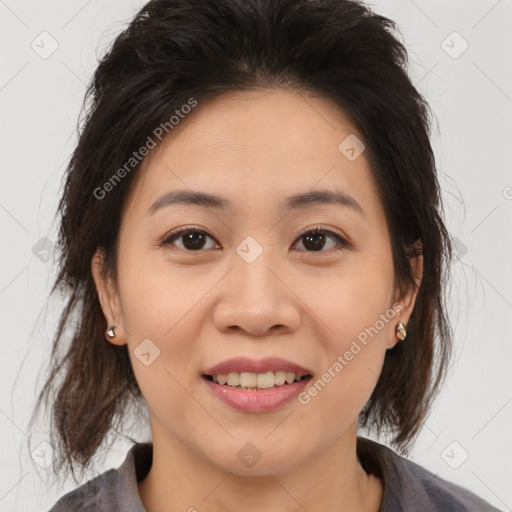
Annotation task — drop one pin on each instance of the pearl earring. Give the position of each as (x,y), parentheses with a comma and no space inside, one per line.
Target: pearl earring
(110,332)
(400,331)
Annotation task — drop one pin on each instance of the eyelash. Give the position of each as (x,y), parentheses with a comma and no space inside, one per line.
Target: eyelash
(343,243)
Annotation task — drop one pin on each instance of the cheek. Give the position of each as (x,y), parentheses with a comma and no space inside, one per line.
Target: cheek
(353,302)
(357,317)
(351,364)
(156,295)
(158,305)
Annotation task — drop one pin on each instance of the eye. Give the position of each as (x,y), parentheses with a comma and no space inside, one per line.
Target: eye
(315,239)
(192,239)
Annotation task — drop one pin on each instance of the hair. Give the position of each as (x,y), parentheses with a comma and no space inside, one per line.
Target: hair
(174,50)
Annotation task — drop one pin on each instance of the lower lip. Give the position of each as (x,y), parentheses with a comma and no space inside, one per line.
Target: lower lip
(257,401)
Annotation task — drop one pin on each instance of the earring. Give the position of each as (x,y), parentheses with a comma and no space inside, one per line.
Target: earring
(110,332)
(400,331)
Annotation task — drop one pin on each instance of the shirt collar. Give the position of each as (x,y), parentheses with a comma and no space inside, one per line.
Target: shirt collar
(373,456)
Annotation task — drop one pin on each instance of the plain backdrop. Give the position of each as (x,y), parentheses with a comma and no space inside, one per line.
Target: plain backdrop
(460,60)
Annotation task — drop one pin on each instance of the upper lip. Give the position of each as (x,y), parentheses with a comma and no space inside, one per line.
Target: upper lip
(268,364)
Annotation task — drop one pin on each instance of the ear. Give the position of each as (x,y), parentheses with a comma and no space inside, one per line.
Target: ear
(407,302)
(108,296)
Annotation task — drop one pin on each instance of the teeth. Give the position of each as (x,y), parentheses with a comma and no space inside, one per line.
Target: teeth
(280,378)
(265,380)
(289,377)
(233,379)
(249,380)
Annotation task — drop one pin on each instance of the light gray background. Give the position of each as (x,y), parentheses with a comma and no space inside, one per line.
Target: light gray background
(471,96)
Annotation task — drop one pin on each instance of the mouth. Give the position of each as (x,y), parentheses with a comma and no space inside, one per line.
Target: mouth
(251,392)
(248,381)
(256,386)
(257,375)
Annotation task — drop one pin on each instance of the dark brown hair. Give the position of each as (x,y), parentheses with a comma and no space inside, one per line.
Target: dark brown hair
(174,50)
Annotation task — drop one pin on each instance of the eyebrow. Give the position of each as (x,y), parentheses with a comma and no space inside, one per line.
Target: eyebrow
(294,202)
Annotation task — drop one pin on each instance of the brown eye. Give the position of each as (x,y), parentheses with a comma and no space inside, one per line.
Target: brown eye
(191,240)
(315,240)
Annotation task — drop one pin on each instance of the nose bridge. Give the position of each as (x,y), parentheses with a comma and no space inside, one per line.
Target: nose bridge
(255,284)
(254,296)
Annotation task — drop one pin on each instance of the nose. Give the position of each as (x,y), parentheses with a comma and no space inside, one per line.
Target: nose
(257,299)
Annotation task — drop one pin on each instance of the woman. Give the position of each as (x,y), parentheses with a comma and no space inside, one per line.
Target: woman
(252,238)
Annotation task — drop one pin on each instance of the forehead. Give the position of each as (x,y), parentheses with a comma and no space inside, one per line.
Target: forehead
(255,148)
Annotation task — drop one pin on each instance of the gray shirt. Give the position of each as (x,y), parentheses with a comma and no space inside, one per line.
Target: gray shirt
(407,486)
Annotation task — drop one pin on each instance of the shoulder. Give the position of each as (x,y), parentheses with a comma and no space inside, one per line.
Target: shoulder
(409,486)
(115,489)
(431,491)
(95,495)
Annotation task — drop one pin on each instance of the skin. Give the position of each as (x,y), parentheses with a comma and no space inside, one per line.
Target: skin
(204,306)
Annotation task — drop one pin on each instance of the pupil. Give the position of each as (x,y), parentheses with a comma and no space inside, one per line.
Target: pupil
(314,239)
(193,240)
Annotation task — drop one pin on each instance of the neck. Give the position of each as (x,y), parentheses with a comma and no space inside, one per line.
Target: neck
(330,480)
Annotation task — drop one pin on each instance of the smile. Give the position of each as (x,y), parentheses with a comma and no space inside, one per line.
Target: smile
(250,385)
(256,381)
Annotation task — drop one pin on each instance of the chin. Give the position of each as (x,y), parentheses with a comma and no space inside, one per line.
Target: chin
(249,460)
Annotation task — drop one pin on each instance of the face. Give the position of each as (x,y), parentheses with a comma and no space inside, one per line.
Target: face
(199,284)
